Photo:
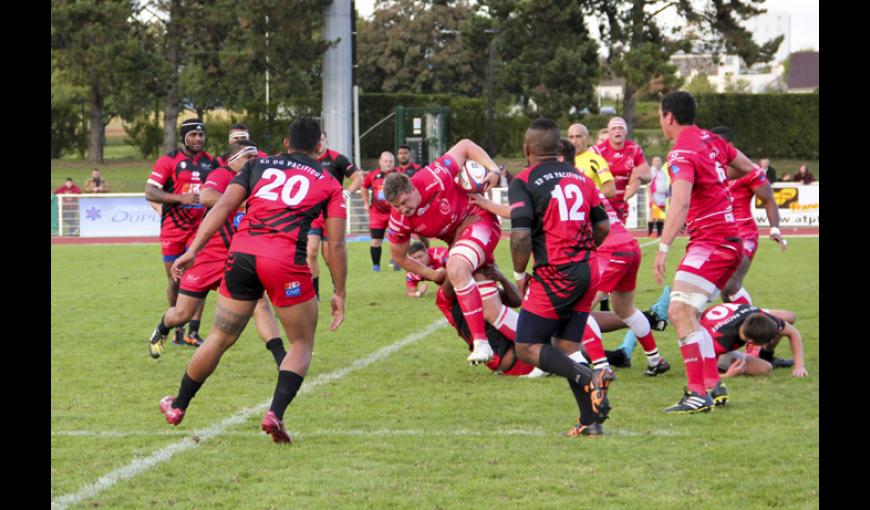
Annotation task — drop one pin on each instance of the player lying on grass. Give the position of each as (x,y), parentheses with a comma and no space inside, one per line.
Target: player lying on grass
(734,325)
(284,194)
(208,268)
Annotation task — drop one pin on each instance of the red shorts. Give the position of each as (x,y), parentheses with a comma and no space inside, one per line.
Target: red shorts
(173,242)
(201,277)
(378,219)
(710,265)
(556,298)
(476,243)
(246,276)
(750,246)
(618,268)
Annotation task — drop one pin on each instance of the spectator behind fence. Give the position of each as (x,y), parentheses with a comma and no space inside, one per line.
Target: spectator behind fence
(68,187)
(769,172)
(786,178)
(96,183)
(804,176)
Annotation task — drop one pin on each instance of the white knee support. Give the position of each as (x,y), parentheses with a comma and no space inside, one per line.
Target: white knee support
(694,299)
(469,252)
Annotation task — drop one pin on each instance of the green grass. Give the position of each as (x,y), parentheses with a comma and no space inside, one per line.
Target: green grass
(398,434)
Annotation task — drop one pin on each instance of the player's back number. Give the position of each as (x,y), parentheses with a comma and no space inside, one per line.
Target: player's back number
(291,194)
(570,193)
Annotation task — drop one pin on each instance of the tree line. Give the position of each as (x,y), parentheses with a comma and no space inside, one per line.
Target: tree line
(144,61)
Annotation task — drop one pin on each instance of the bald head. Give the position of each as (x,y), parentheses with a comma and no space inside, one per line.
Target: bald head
(542,139)
(578,135)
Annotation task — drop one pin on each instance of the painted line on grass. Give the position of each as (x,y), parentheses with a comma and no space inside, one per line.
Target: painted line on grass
(364,433)
(140,465)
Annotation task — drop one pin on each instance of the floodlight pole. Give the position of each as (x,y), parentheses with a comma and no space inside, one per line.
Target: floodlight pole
(489,113)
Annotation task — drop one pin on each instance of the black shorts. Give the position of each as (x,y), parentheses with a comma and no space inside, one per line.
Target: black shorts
(534,329)
(377,233)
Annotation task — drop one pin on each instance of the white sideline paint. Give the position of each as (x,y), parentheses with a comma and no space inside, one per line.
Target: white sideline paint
(365,433)
(140,465)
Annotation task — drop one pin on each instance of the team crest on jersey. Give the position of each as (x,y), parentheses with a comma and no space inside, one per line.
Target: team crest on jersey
(183,165)
(205,165)
(444,206)
(293,289)
(675,169)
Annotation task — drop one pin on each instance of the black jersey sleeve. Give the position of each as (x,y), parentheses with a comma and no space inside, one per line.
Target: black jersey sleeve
(345,165)
(522,206)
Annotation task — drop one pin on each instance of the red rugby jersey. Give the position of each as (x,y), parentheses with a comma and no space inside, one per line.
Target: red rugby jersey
(621,162)
(437,260)
(723,323)
(410,169)
(443,206)
(178,173)
(285,193)
(217,247)
(701,158)
(555,200)
(374,181)
(743,192)
(336,164)
(618,235)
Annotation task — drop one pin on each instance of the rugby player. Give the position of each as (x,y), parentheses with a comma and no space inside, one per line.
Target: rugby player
(208,268)
(237,132)
(557,214)
(284,194)
(700,198)
(744,190)
(174,182)
(404,163)
(432,204)
(627,165)
(379,208)
(434,258)
(340,167)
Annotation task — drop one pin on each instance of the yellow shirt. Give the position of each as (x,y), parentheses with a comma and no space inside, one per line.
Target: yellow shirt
(594,166)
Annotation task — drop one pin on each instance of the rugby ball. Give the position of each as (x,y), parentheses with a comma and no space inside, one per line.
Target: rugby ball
(472,176)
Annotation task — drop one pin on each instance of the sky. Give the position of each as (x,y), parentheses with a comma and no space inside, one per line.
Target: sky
(804,19)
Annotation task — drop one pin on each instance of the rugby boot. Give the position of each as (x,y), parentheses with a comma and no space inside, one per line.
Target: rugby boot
(173,416)
(193,339)
(719,394)
(657,315)
(597,389)
(618,358)
(156,344)
(179,336)
(594,429)
(275,428)
(482,353)
(659,368)
(692,403)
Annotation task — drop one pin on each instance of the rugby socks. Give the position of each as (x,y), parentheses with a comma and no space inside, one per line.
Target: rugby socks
(317,286)
(376,255)
(584,401)
(162,328)
(639,325)
(471,305)
(506,323)
(192,327)
(554,361)
(187,391)
(660,225)
(286,389)
(711,370)
(593,344)
(276,347)
(741,297)
(690,348)
(605,305)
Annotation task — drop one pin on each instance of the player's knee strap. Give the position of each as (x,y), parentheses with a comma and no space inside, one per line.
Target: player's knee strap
(469,252)
(488,289)
(694,299)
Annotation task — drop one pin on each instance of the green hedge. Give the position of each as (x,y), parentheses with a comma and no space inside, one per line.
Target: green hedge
(766,125)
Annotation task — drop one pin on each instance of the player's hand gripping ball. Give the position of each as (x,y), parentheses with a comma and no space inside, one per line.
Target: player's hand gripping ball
(472,176)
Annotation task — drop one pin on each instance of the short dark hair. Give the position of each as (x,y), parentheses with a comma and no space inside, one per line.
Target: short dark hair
(682,105)
(395,184)
(304,134)
(725,132)
(239,125)
(404,147)
(547,142)
(760,328)
(69,178)
(415,247)
(567,151)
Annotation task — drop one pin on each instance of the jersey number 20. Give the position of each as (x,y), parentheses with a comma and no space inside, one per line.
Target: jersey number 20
(287,195)
(572,191)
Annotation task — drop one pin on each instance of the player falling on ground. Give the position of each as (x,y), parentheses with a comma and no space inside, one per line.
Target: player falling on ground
(699,198)
(208,268)
(744,190)
(174,182)
(556,213)
(340,167)
(433,258)
(284,194)
(734,325)
(432,204)
(619,259)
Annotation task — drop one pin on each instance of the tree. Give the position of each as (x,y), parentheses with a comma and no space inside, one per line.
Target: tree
(738,86)
(95,45)
(700,84)
(639,49)
(68,119)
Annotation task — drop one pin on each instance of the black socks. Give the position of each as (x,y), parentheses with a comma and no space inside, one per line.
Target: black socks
(286,389)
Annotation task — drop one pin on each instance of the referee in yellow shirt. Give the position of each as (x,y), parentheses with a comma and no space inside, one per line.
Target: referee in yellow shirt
(590,162)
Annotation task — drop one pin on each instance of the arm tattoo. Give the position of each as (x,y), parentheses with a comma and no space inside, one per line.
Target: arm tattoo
(229,322)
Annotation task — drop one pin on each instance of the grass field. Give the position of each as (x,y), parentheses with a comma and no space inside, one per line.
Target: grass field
(414,428)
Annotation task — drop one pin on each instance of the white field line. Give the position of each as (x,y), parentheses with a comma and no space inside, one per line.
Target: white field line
(140,465)
(363,433)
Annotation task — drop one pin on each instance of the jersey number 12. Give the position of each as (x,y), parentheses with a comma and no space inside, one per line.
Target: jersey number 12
(572,191)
